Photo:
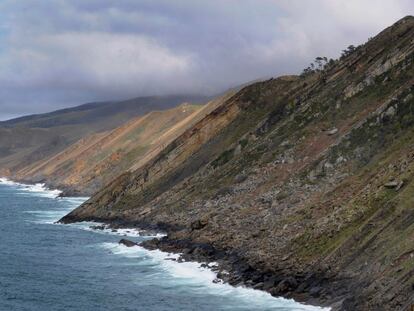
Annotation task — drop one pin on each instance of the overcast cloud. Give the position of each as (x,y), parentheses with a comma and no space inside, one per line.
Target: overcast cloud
(59,53)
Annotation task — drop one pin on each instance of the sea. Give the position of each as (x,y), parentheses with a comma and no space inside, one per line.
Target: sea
(48,266)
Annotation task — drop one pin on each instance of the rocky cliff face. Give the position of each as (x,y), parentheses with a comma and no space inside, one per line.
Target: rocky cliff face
(301,186)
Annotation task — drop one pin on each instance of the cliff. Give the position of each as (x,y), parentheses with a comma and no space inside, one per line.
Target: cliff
(300,186)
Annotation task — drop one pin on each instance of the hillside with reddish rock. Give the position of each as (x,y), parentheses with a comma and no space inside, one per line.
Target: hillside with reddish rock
(93,161)
(36,138)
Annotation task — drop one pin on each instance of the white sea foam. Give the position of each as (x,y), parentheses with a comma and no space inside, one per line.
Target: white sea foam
(132,232)
(48,217)
(5,181)
(52,216)
(39,188)
(201,278)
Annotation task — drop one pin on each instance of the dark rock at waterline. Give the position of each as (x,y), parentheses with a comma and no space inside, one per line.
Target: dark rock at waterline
(127,243)
(315,291)
(98,227)
(269,283)
(236,271)
(285,286)
(67,191)
(258,286)
(148,233)
(202,250)
(151,244)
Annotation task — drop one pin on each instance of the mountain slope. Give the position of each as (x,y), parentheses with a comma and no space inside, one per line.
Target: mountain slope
(90,163)
(102,112)
(93,161)
(29,139)
(300,186)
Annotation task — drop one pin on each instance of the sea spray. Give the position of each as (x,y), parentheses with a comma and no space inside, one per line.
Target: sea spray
(39,188)
(200,279)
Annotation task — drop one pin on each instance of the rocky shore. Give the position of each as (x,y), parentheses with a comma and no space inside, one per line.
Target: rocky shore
(65,190)
(314,288)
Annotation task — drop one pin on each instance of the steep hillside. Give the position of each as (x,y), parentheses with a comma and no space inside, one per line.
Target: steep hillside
(300,186)
(89,164)
(26,140)
(101,113)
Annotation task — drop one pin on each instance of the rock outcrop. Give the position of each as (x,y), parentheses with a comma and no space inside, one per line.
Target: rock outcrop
(127,243)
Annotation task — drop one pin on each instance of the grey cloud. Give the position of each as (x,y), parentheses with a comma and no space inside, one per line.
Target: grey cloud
(59,53)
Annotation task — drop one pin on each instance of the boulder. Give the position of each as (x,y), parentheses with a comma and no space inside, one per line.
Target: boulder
(240,178)
(127,243)
(97,227)
(332,131)
(315,291)
(394,184)
(286,285)
(258,286)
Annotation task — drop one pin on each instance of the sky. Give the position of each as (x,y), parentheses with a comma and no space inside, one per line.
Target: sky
(61,53)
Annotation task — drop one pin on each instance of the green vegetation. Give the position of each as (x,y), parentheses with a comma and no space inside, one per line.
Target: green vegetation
(223,158)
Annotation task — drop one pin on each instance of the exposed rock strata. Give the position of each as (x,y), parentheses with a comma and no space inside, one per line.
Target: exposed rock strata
(263,185)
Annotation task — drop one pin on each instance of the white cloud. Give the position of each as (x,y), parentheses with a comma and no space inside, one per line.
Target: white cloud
(105,63)
(330,25)
(59,53)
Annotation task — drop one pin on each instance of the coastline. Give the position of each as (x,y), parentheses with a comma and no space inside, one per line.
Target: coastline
(65,190)
(32,187)
(229,267)
(198,270)
(236,271)
(316,289)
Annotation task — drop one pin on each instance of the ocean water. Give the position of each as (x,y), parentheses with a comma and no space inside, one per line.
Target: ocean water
(46,266)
